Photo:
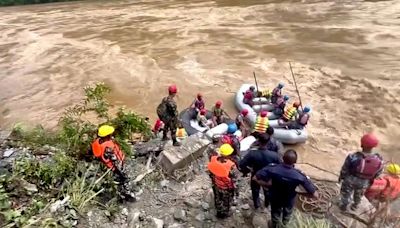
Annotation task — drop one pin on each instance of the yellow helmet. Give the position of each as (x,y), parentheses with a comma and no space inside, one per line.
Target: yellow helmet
(105,130)
(393,168)
(226,149)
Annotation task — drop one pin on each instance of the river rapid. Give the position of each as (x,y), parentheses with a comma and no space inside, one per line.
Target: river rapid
(345,56)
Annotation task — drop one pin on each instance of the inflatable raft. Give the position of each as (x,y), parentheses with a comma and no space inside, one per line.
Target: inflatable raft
(189,122)
(286,136)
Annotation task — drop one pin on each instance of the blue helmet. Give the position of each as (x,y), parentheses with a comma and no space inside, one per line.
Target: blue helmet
(232,128)
(286,97)
(306,109)
(281,85)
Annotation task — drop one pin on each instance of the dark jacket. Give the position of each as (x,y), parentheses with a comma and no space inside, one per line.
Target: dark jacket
(256,159)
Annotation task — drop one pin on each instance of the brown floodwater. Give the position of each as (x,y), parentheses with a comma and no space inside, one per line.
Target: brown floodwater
(346,56)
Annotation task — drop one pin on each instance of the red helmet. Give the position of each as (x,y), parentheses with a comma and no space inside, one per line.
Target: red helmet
(203,112)
(369,141)
(296,104)
(264,113)
(199,96)
(218,104)
(172,89)
(226,139)
(245,112)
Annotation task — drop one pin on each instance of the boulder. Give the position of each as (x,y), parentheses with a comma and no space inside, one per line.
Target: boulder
(180,215)
(157,223)
(190,202)
(173,158)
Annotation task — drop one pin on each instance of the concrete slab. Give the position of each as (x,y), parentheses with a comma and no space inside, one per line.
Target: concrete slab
(173,158)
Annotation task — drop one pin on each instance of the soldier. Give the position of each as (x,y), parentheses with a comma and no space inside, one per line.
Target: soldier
(224,174)
(358,171)
(276,93)
(167,111)
(109,153)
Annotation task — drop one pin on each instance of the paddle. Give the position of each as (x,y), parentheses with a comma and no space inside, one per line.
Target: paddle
(255,79)
(295,84)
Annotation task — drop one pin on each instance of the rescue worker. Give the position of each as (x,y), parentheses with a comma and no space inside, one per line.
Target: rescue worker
(242,122)
(302,119)
(387,187)
(203,121)
(158,127)
(276,93)
(249,95)
(218,113)
(231,139)
(291,112)
(198,103)
(358,171)
(110,154)
(280,105)
(167,112)
(273,144)
(282,180)
(255,160)
(224,174)
(261,124)
(181,133)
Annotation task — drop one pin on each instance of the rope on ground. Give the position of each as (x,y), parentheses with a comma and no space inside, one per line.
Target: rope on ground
(321,205)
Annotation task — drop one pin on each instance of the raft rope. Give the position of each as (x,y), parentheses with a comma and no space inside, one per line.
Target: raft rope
(319,206)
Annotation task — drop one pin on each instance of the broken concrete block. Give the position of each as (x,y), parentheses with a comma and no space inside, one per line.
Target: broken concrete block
(173,158)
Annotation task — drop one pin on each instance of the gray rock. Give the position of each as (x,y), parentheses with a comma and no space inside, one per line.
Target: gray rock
(157,223)
(200,217)
(192,203)
(133,218)
(30,187)
(176,225)
(164,183)
(8,152)
(124,211)
(260,221)
(205,206)
(73,214)
(180,215)
(245,207)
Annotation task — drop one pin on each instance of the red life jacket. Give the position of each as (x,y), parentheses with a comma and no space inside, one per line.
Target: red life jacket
(385,188)
(99,150)
(221,171)
(368,166)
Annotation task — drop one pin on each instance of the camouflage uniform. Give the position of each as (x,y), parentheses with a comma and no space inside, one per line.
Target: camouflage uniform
(352,184)
(224,198)
(171,118)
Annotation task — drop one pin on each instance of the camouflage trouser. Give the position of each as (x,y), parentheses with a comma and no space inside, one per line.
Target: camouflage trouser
(353,185)
(170,125)
(223,200)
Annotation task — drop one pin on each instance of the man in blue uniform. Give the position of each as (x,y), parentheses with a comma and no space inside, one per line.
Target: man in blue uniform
(256,159)
(282,180)
(273,144)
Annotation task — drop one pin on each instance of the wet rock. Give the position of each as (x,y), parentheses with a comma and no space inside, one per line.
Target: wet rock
(190,202)
(58,204)
(260,221)
(7,153)
(157,223)
(245,207)
(31,188)
(73,214)
(180,215)
(205,206)
(200,217)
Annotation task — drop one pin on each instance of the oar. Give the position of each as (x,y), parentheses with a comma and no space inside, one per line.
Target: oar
(255,79)
(295,84)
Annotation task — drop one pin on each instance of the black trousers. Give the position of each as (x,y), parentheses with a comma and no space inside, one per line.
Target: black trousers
(255,193)
(281,211)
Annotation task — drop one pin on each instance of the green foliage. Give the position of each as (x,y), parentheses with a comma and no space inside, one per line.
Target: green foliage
(46,173)
(38,136)
(300,220)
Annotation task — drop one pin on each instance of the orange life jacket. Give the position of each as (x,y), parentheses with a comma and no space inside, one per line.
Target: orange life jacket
(181,133)
(221,171)
(99,150)
(385,188)
(261,124)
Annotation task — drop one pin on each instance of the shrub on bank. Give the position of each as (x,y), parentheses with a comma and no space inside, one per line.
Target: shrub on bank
(60,171)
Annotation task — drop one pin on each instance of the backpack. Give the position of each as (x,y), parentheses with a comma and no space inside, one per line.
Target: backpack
(368,166)
(162,109)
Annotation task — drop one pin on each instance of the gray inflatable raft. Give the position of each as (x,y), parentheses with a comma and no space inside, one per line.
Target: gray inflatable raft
(286,136)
